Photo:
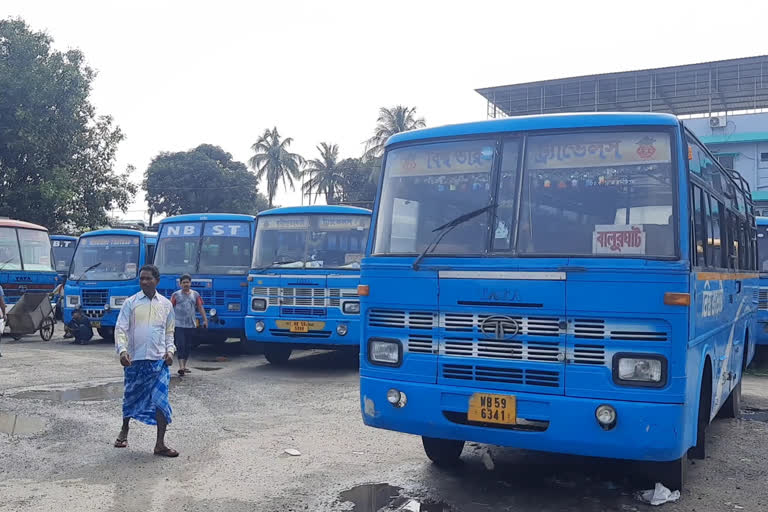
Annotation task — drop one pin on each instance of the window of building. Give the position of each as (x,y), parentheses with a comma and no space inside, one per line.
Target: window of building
(725,160)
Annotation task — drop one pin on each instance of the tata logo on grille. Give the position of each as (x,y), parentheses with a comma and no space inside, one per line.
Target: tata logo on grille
(500,327)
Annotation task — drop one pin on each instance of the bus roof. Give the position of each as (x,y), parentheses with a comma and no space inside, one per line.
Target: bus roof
(317,209)
(196,217)
(63,237)
(126,232)
(541,122)
(761,221)
(9,223)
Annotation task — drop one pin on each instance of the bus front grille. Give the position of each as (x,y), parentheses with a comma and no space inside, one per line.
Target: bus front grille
(762,299)
(502,375)
(95,298)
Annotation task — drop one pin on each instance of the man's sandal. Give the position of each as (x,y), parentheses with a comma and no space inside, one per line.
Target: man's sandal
(121,443)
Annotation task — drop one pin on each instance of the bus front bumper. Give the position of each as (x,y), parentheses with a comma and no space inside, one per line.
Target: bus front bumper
(550,423)
(322,331)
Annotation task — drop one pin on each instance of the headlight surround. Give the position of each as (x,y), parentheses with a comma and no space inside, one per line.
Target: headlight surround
(73,301)
(117,301)
(258,304)
(385,352)
(351,308)
(643,370)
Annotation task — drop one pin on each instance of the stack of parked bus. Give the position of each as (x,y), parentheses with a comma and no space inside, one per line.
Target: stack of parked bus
(584,284)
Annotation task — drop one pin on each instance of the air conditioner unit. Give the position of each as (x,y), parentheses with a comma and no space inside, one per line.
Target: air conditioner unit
(717,122)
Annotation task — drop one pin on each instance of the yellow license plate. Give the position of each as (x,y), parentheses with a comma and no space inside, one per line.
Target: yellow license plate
(488,408)
(299,326)
(96,324)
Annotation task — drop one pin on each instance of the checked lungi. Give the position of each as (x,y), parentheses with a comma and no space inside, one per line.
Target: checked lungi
(146,391)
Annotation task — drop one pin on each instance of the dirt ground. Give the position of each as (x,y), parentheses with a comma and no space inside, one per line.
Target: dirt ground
(235,416)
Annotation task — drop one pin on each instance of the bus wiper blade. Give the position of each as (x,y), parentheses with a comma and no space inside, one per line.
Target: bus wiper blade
(447,227)
(3,264)
(86,271)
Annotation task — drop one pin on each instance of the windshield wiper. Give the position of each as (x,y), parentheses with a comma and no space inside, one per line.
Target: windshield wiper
(86,271)
(446,228)
(258,270)
(3,264)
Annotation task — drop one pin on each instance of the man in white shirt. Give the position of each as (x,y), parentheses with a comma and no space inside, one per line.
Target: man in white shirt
(144,342)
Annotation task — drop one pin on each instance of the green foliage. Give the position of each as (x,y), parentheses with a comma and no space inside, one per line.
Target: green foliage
(358,188)
(56,155)
(391,121)
(324,174)
(204,179)
(274,162)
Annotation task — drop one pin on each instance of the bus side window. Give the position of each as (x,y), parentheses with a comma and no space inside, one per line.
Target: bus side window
(700,228)
(714,246)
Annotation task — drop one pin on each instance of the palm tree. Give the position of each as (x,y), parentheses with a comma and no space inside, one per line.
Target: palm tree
(273,161)
(325,176)
(391,121)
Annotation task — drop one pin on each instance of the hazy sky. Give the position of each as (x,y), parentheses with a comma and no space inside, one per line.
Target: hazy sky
(178,74)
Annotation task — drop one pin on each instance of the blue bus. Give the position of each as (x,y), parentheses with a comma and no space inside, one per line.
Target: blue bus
(26,260)
(306,268)
(63,250)
(105,272)
(581,284)
(762,255)
(215,249)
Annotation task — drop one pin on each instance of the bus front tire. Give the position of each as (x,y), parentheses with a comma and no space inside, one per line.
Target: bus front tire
(443,452)
(732,406)
(672,474)
(277,353)
(106,333)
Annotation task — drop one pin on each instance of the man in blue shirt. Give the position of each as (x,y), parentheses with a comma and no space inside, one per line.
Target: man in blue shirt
(80,327)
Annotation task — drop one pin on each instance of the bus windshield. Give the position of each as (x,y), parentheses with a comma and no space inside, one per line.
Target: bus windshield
(35,250)
(310,241)
(225,248)
(762,249)
(580,194)
(106,258)
(10,258)
(63,250)
(218,248)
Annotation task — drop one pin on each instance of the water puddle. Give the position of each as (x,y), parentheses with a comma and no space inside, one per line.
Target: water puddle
(387,498)
(207,368)
(87,394)
(754,414)
(13,424)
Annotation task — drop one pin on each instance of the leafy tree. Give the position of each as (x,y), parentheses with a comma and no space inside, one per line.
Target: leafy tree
(324,174)
(274,162)
(391,121)
(204,179)
(356,185)
(57,155)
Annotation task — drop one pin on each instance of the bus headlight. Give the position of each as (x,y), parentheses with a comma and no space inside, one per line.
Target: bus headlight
(342,329)
(351,308)
(233,306)
(259,304)
(259,326)
(118,301)
(73,301)
(639,369)
(606,416)
(212,312)
(385,352)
